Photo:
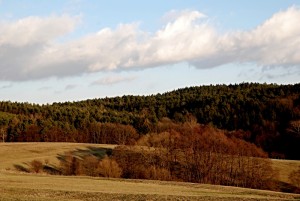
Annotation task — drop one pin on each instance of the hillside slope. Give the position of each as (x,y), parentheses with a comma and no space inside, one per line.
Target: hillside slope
(42,187)
(266,115)
(20,186)
(21,153)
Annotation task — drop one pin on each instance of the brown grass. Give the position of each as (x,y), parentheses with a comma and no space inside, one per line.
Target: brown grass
(15,186)
(19,153)
(24,186)
(285,167)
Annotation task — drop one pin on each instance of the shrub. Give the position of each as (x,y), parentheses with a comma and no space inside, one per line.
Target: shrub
(157,173)
(36,166)
(89,166)
(109,168)
(70,165)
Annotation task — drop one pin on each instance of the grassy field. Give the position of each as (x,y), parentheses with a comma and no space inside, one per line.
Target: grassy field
(285,167)
(22,186)
(19,153)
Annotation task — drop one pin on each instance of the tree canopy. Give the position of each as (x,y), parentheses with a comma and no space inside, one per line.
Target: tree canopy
(263,114)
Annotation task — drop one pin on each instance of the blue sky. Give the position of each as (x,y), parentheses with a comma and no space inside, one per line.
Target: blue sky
(54,51)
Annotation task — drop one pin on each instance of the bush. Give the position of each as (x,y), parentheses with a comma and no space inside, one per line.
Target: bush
(156,173)
(109,168)
(89,166)
(70,165)
(36,166)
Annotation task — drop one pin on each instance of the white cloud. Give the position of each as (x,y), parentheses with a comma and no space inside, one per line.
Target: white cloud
(275,43)
(29,47)
(113,80)
(35,30)
(174,15)
(23,41)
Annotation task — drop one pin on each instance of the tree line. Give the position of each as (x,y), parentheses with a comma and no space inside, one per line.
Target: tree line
(267,115)
(189,152)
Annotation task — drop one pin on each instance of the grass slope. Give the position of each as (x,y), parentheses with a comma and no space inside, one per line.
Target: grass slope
(42,187)
(285,167)
(19,153)
(20,186)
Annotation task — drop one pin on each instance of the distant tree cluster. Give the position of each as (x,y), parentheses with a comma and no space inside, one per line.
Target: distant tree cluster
(266,115)
(90,166)
(189,152)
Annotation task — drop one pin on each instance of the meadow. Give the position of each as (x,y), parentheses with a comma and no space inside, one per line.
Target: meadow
(15,185)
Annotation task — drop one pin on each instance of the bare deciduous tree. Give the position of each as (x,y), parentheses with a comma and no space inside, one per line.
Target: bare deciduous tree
(294,127)
(109,168)
(3,133)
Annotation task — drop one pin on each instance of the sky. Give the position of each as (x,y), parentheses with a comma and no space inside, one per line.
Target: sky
(71,50)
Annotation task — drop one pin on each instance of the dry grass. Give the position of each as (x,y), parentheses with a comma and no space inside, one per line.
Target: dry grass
(17,153)
(285,167)
(20,186)
(15,186)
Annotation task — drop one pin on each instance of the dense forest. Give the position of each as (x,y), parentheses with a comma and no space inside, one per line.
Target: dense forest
(264,115)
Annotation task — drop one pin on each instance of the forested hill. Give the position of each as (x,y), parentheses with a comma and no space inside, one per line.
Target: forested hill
(265,114)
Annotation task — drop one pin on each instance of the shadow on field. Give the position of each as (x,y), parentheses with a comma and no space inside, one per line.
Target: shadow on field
(37,166)
(21,168)
(82,161)
(97,152)
(288,188)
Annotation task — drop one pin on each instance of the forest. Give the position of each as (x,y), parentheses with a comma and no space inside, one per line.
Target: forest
(266,116)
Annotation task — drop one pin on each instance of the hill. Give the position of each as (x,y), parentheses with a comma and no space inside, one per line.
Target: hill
(21,153)
(12,154)
(20,186)
(267,115)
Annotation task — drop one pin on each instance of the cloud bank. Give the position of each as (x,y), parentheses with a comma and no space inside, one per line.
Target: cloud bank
(30,48)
